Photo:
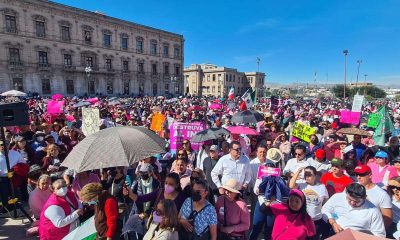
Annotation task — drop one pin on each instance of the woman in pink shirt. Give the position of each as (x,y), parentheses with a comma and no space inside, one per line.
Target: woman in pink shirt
(292,221)
(232,212)
(382,172)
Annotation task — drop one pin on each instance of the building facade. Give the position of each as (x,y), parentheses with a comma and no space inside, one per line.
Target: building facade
(211,80)
(48,48)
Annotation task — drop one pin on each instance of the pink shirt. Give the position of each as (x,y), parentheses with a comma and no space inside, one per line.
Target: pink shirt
(236,214)
(383,175)
(77,186)
(289,226)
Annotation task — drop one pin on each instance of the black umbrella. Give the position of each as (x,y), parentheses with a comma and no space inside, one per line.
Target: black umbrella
(210,134)
(247,116)
(81,104)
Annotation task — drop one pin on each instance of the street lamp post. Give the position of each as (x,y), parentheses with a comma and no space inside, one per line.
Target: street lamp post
(88,70)
(345,52)
(358,72)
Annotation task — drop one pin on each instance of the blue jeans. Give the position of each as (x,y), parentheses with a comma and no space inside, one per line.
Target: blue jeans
(260,219)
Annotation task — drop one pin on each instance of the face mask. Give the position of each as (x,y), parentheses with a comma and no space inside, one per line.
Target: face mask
(61,192)
(156,218)
(169,189)
(93,202)
(145,176)
(196,196)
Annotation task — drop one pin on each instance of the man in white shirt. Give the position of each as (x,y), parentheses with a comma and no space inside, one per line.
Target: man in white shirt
(258,161)
(14,158)
(232,166)
(300,161)
(375,194)
(351,209)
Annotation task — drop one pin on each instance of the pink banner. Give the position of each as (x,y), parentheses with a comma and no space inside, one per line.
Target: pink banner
(55,107)
(264,171)
(349,117)
(180,131)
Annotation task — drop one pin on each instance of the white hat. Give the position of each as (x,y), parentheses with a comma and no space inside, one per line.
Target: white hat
(232,186)
(274,155)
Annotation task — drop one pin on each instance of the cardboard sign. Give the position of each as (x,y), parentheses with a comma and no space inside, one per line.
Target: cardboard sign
(157,122)
(180,131)
(357,103)
(302,131)
(349,117)
(264,171)
(374,119)
(90,120)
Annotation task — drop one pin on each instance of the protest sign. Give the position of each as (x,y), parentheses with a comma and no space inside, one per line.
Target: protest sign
(180,131)
(264,171)
(302,131)
(90,120)
(55,107)
(357,103)
(157,122)
(374,119)
(349,117)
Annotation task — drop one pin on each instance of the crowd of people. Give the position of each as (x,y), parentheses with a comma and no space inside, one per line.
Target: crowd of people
(319,187)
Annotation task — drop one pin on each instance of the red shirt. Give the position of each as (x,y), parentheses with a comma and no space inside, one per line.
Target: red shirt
(335,184)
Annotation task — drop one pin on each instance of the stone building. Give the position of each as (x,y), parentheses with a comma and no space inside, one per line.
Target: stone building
(209,79)
(48,48)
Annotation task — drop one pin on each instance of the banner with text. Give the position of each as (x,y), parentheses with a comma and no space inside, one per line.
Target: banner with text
(302,131)
(350,117)
(357,103)
(180,131)
(264,171)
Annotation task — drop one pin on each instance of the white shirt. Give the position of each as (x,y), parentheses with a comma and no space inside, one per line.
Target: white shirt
(293,165)
(254,164)
(200,158)
(379,197)
(14,157)
(396,210)
(315,196)
(231,169)
(366,218)
(57,216)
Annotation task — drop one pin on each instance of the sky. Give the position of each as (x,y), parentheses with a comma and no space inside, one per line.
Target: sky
(298,41)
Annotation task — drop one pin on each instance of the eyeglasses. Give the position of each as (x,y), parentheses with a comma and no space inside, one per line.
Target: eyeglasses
(308,174)
(298,154)
(394,188)
(181,154)
(237,149)
(380,157)
(185,143)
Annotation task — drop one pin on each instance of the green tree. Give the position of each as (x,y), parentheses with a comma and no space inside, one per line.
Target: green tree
(371,92)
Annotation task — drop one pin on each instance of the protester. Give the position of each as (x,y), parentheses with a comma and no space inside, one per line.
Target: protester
(394,192)
(381,170)
(351,209)
(197,216)
(39,196)
(335,181)
(106,209)
(81,179)
(208,165)
(294,164)
(166,222)
(60,214)
(232,212)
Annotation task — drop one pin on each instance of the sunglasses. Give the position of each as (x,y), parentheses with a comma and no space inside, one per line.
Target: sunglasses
(379,157)
(308,174)
(237,149)
(361,174)
(298,154)
(185,143)
(394,162)
(395,188)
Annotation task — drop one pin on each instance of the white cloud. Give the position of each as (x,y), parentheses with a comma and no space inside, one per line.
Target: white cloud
(269,23)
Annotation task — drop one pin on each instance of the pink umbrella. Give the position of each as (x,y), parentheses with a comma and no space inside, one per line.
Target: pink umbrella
(92,100)
(56,97)
(242,130)
(215,106)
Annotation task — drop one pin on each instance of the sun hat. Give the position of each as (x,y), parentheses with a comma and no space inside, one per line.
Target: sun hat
(231,185)
(274,155)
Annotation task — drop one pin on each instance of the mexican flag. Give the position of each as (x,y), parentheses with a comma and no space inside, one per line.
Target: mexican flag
(249,98)
(86,231)
(231,94)
(385,125)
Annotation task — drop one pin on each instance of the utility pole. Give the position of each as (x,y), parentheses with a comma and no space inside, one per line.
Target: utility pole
(345,52)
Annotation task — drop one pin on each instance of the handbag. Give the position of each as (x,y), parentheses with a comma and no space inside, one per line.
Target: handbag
(185,235)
